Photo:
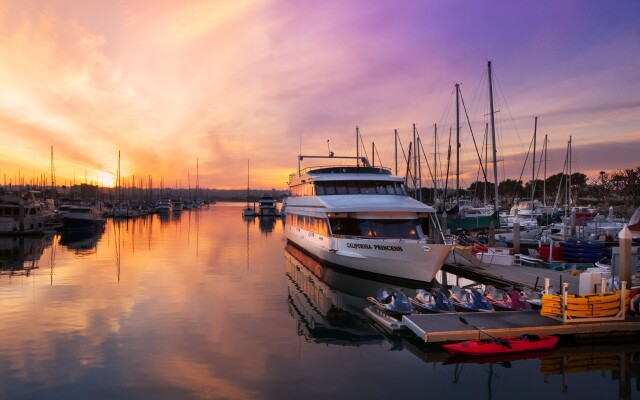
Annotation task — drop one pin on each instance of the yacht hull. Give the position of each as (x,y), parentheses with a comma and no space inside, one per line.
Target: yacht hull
(398,258)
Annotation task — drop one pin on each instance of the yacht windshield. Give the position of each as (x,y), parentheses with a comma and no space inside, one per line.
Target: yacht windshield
(360,187)
(377,228)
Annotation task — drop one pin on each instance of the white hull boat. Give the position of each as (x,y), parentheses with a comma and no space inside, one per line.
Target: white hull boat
(360,217)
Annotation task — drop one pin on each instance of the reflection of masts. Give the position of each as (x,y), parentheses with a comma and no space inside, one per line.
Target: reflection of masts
(116,232)
(52,259)
(197,231)
(489,392)
(247,245)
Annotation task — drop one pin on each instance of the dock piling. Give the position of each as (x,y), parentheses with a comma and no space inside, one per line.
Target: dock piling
(516,236)
(625,238)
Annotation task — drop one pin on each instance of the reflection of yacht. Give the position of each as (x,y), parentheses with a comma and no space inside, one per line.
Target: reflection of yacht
(267,223)
(361,217)
(81,241)
(20,253)
(330,303)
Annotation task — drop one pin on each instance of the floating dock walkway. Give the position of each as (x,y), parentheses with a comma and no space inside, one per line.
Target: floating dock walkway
(436,328)
(515,275)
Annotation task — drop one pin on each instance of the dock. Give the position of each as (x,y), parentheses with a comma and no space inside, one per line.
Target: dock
(514,275)
(436,328)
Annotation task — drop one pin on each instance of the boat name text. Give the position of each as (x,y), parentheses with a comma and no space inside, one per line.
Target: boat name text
(374,247)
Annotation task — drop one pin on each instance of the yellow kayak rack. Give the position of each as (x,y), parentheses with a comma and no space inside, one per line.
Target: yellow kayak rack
(591,307)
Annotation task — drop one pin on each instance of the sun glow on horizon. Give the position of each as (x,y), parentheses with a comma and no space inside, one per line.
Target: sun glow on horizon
(173,82)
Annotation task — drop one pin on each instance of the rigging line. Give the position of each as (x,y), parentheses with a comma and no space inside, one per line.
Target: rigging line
(379,159)
(535,179)
(446,182)
(473,137)
(526,159)
(509,110)
(408,173)
(404,156)
(363,146)
(446,110)
(478,170)
(481,84)
(425,157)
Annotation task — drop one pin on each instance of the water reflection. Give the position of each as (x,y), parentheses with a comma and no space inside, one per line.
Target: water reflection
(616,362)
(329,304)
(20,254)
(267,223)
(172,310)
(83,243)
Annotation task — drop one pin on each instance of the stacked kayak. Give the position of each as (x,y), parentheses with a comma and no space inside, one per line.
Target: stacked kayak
(581,252)
(557,253)
(605,304)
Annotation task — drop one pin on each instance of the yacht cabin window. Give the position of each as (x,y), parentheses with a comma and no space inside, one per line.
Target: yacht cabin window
(323,188)
(380,228)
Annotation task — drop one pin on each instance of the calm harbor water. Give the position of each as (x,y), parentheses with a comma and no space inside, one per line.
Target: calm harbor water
(207,305)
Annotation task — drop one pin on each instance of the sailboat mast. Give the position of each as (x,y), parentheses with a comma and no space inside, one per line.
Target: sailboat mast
(419,169)
(458,144)
(533,165)
(415,163)
(486,162)
(435,163)
(54,192)
(493,139)
(247,183)
(395,137)
(544,182)
(569,178)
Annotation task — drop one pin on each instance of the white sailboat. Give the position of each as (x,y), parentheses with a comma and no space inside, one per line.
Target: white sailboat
(248,211)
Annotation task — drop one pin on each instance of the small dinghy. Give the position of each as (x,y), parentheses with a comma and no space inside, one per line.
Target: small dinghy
(470,299)
(392,302)
(507,300)
(502,345)
(433,301)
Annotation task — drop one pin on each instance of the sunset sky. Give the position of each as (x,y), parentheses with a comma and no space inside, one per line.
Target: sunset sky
(169,82)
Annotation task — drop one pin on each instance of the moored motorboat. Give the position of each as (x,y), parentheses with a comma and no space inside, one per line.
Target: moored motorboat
(533,297)
(432,301)
(502,345)
(83,219)
(392,302)
(164,206)
(267,206)
(509,300)
(470,299)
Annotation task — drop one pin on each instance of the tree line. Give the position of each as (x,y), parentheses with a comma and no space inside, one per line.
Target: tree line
(619,187)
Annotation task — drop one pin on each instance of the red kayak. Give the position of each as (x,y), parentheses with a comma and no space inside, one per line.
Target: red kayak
(502,345)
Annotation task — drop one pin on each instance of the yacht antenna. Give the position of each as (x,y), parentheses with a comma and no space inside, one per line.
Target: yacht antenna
(329,147)
(357,149)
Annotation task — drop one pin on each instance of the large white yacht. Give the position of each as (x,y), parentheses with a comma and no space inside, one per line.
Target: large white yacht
(22,214)
(361,217)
